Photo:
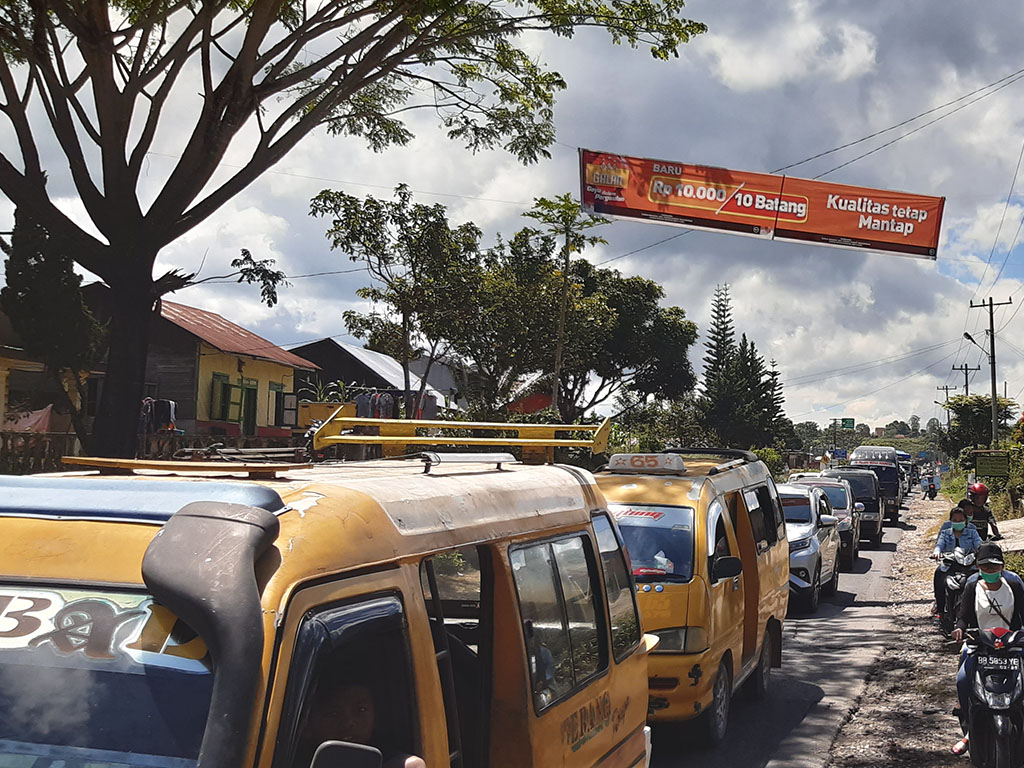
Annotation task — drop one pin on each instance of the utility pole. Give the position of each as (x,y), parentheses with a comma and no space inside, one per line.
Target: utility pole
(945,388)
(966,369)
(991,305)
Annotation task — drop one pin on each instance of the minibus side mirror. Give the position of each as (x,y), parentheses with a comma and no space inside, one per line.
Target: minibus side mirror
(344,754)
(858,507)
(828,521)
(727,568)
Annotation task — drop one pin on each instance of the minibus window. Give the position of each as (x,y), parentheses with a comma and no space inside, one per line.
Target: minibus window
(580,606)
(756,516)
(659,540)
(557,602)
(621,597)
(544,625)
(343,653)
(467,628)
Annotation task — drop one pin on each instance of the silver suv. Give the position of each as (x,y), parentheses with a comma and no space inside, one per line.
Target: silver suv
(844,507)
(813,544)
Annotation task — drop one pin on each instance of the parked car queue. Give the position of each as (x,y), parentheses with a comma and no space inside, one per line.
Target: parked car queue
(698,548)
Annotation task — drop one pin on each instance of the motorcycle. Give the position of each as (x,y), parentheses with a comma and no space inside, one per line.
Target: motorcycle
(932,492)
(958,567)
(995,717)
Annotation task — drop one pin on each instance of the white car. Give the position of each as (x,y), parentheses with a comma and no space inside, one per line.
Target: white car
(813,536)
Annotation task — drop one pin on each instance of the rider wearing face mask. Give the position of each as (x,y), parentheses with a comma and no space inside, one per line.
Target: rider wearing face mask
(956,532)
(978,512)
(992,598)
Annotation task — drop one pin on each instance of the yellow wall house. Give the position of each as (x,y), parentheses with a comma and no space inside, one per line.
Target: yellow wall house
(225,379)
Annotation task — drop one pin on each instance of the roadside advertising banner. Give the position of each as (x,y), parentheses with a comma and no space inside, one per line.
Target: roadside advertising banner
(760,204)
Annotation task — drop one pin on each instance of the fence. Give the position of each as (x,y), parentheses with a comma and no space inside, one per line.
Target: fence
(164,446)
(24,453)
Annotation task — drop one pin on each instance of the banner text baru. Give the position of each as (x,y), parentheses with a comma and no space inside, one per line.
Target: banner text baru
(761,204)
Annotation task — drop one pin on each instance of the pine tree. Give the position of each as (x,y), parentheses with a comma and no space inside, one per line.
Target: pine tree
(43,301)
(776,414)
(718,401)
(721,343)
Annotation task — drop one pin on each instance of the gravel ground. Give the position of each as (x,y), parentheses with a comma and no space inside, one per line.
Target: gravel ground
(904,716)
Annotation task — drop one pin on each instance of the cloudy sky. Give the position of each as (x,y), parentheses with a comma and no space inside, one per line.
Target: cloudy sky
(861,335)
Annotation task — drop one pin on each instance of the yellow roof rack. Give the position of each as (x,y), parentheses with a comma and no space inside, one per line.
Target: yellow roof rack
(538,441)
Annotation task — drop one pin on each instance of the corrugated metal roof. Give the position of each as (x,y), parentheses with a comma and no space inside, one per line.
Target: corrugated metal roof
(388,369)
(228,337)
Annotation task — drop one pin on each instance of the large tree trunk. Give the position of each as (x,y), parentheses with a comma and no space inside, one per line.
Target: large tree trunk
(117,420)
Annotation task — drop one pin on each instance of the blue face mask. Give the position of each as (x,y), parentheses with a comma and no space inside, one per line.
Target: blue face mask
(959,526)
(991,578)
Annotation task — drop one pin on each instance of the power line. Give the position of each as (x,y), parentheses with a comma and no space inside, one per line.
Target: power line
(874,391)
(897,125)
(637,250)
(915,130)
(999,85)
(861,367)
(1002,217)
(365,184)
(286,277)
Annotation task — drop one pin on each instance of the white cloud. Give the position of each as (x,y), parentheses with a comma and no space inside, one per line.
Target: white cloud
(801,47)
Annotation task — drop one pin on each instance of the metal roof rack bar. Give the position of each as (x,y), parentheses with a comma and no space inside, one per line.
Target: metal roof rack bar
(732,453)
(432,459)
(393,435)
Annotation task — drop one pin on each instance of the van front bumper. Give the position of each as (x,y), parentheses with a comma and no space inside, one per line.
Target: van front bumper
(680,685)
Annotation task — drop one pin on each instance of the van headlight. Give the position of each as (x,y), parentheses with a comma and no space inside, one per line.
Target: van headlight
(681,640)
(799,544)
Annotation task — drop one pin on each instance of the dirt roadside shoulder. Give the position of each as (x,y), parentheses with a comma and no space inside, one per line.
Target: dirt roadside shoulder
(903,717)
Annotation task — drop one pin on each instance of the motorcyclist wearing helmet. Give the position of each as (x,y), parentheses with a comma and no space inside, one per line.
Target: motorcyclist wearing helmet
(956,532)
(978,511)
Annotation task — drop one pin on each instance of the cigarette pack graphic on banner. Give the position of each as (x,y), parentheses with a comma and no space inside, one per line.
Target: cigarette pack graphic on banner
(761,204)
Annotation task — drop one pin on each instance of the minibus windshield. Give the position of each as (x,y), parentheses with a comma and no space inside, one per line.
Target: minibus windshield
(659,540)
(99,678)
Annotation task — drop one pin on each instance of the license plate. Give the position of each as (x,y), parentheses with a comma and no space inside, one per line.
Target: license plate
(999,662)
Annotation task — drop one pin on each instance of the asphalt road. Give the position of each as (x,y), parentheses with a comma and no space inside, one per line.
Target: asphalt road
(825,660)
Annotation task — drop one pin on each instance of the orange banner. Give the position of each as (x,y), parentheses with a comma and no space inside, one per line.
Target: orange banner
(761,204)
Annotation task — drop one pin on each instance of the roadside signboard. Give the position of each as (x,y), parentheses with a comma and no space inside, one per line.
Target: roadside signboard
(848,423)
(839,453)
(992,463)
(760,204)
(922,454)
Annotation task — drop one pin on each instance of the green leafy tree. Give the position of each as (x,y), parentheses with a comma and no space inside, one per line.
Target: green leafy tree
(971,421)
(43,300)
(98,78)
(424,271)
(934,427)
(894,428)
(863,430)
(564,219)
(619,338)
(810,435)
(508,332)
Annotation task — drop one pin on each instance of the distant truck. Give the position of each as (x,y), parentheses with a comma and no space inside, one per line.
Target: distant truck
(882,460)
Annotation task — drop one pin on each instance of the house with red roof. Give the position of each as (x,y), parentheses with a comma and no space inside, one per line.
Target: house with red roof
(223,378)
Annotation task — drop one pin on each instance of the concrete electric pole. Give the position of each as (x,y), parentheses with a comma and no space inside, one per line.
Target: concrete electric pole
(966,369)
(991,306)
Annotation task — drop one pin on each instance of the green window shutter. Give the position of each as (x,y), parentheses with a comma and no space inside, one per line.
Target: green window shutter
(218,405)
